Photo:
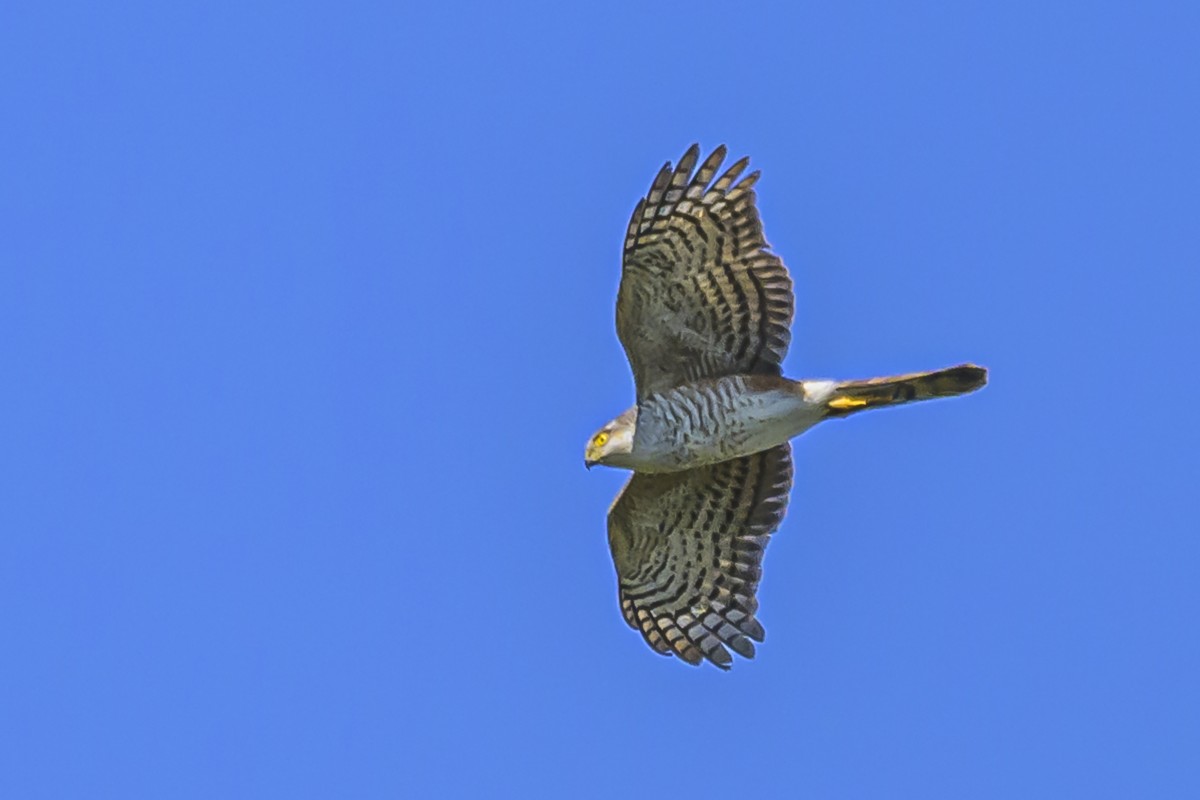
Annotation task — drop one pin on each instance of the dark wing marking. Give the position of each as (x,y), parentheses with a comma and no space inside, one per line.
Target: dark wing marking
(701,294)
(688,550)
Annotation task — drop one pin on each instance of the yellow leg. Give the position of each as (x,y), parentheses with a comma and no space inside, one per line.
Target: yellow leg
(843,403)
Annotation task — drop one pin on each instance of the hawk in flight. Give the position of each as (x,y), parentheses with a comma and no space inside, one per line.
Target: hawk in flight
(704,312)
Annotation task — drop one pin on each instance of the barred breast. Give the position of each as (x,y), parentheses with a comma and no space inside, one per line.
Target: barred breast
(715,420)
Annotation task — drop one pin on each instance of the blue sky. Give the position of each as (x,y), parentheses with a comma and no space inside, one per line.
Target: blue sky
(307,310)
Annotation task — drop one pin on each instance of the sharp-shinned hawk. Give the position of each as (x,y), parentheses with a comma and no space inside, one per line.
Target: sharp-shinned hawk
(704,312)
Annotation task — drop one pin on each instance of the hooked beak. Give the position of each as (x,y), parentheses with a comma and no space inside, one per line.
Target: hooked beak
(588,464)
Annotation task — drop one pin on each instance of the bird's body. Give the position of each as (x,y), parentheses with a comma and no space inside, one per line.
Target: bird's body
(704,312)
(712,420)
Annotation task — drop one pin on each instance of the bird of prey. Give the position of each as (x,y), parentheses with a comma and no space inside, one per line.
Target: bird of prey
(704,312)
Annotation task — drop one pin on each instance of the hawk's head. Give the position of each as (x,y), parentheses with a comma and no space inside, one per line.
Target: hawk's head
(613,443)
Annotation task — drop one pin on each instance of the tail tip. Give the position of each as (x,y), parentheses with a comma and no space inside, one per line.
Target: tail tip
(968,377)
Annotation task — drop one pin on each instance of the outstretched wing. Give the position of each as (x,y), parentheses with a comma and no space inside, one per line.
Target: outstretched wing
(701,294)
(688,549)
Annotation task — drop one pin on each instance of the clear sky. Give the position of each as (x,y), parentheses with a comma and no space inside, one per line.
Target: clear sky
(306,312)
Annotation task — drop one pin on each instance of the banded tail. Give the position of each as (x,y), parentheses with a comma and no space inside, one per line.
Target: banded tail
(851,396)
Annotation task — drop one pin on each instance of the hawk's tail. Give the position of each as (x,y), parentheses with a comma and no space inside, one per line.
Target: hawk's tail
(851,396)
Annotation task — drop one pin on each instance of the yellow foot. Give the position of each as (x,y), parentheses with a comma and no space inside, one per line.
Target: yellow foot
(842,403)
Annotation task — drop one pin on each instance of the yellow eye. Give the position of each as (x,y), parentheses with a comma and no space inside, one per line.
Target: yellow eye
(600,439)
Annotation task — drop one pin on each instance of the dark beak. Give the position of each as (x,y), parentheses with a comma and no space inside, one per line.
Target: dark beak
(588,464)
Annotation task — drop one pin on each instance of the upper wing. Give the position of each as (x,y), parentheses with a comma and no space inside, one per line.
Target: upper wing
(688,549)
(701,294)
